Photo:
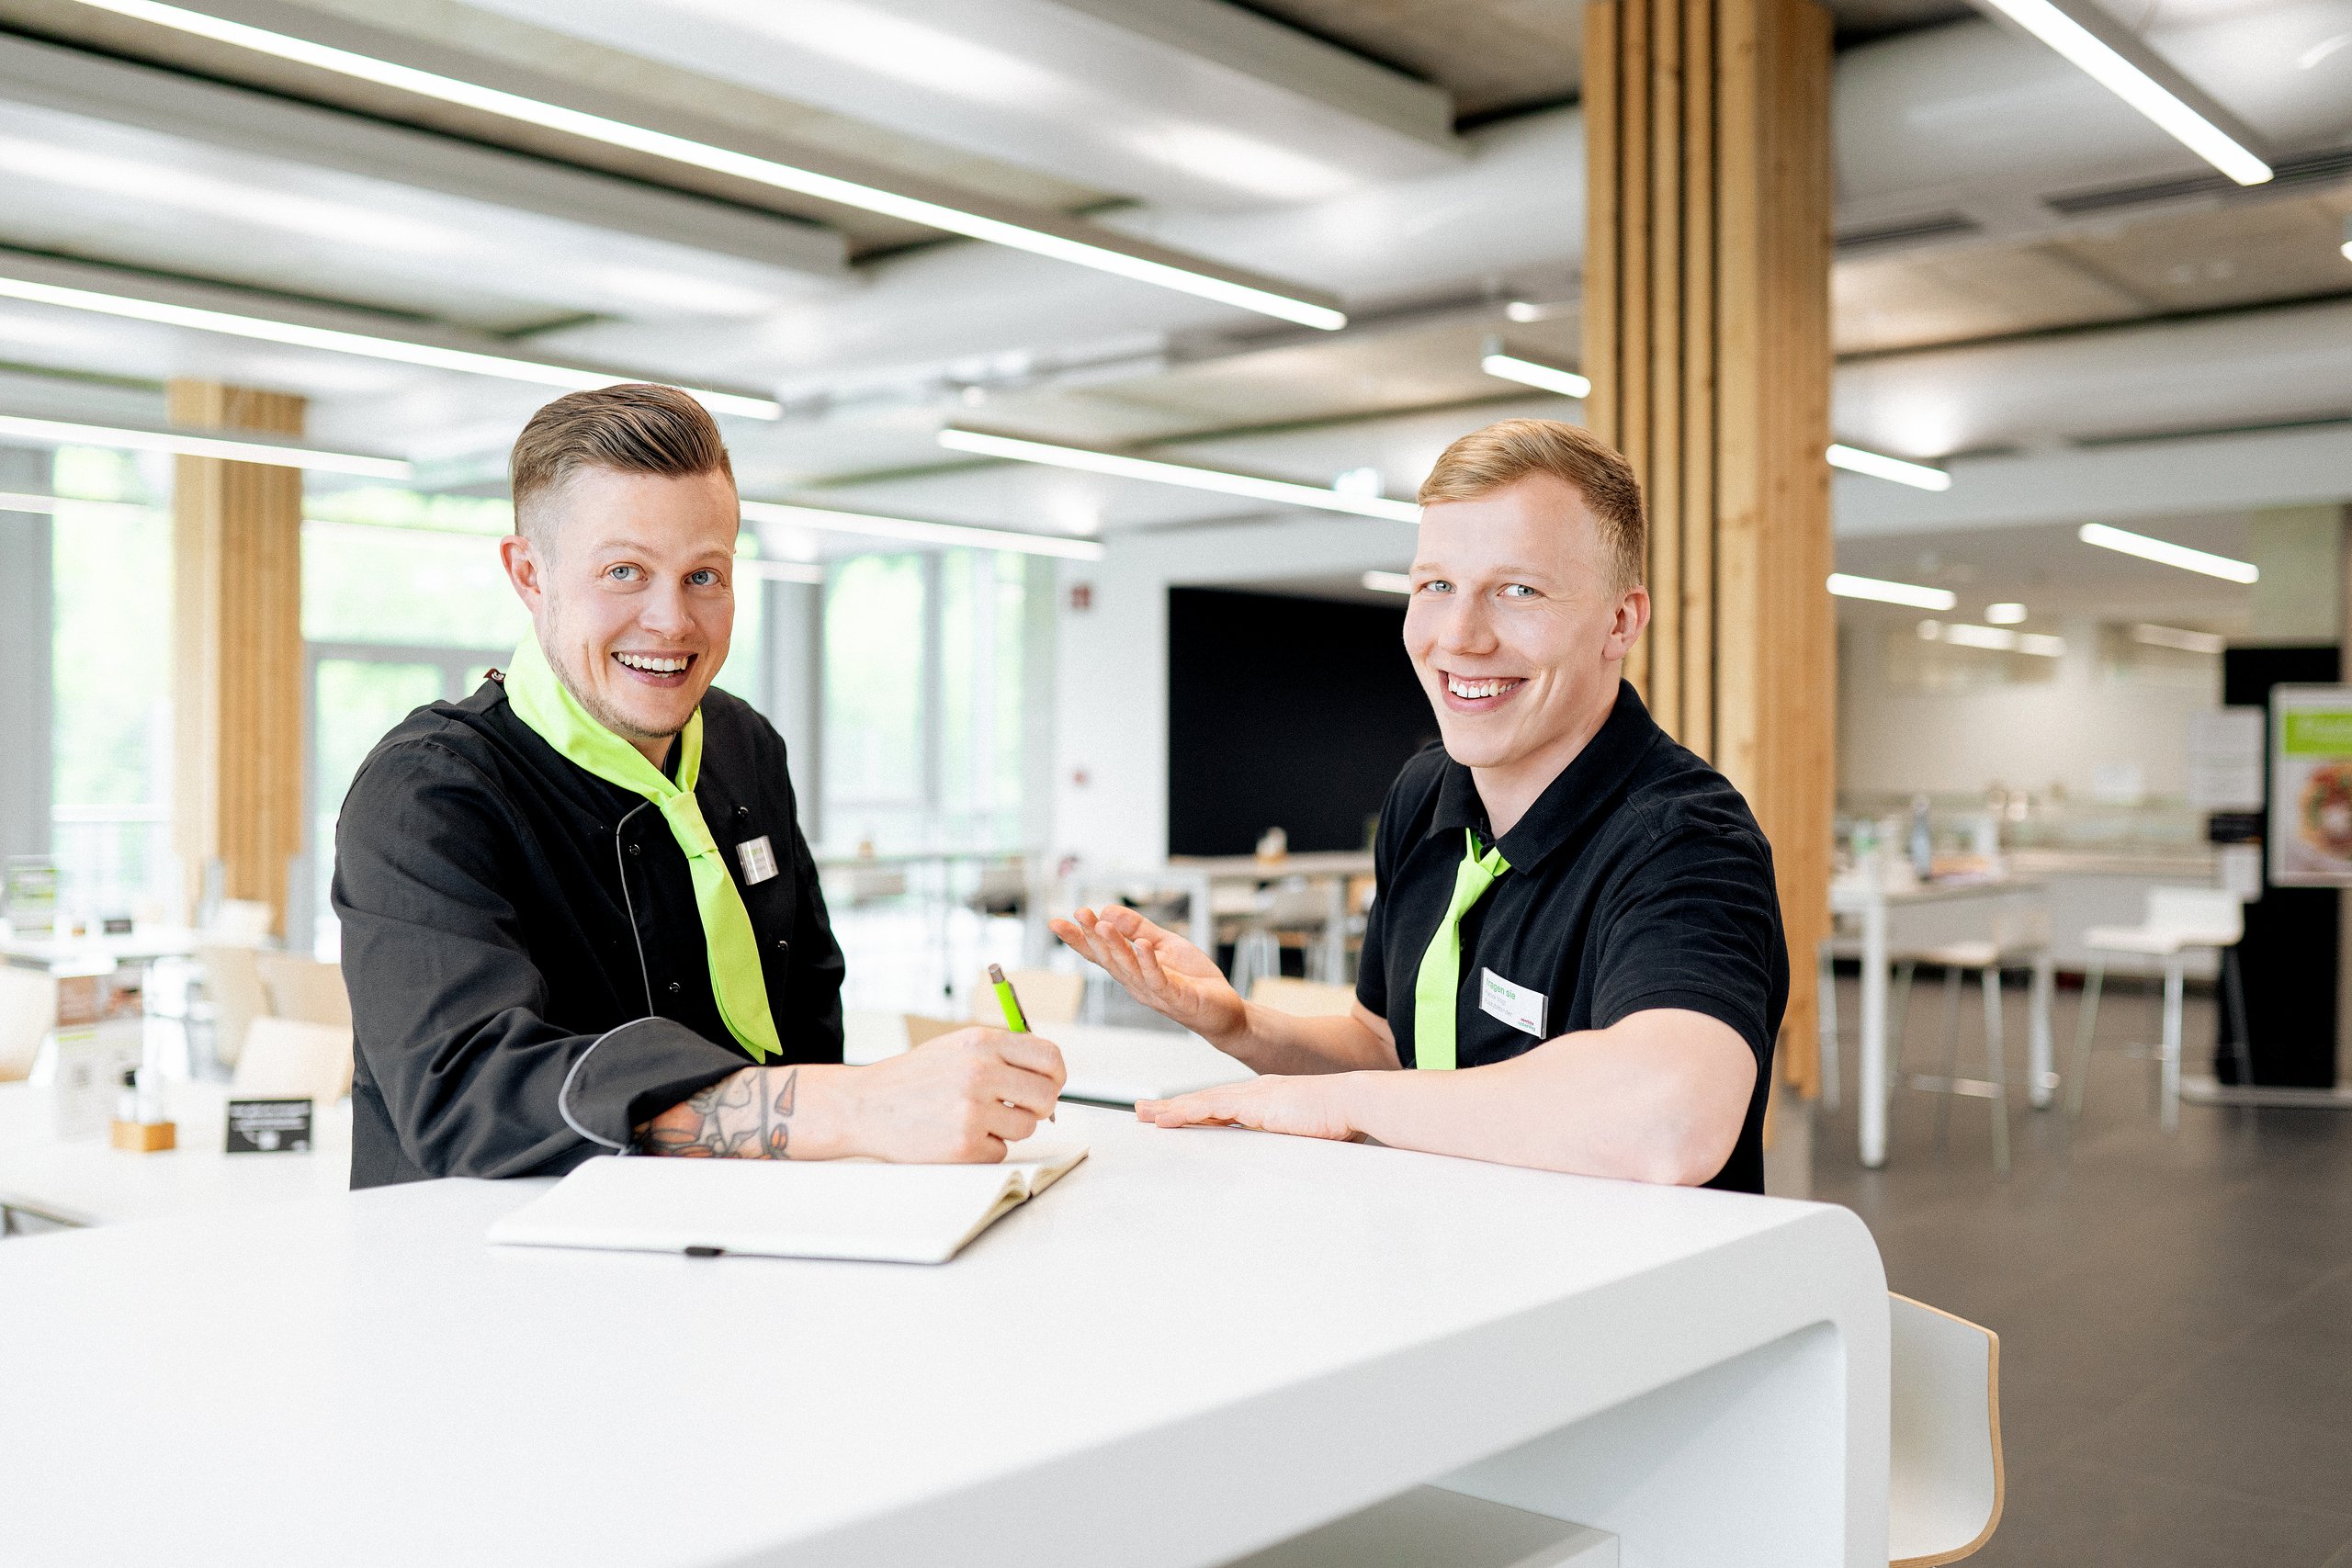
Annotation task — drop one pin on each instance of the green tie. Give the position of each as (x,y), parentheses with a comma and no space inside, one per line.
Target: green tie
(1438,983)
(546,704)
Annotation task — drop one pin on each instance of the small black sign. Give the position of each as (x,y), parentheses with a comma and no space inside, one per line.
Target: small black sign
(269,1126)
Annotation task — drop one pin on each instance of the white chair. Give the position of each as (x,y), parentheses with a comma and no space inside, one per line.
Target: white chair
(2018,939)
(28,1012)
(283,1056)
(1945,1482)
(1301,998)
(2180,921)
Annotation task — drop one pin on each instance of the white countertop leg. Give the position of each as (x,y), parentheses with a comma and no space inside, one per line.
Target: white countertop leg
(2040,1076)
(1874,1053)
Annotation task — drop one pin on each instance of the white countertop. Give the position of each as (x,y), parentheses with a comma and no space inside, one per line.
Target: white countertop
(1198,1342)
(88,1181)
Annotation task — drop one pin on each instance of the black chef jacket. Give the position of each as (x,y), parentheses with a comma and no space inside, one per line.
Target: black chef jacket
(503,910)
(1638,879)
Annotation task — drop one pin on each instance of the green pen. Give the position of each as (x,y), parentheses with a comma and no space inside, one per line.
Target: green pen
(1015,1019)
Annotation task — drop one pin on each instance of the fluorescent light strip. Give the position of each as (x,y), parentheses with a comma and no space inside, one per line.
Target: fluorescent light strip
(1119,466)
(2181,638)
(1879,466)
(1532,373)
(2007,614)
(58,432)
(1995,640)
(2166,553)
(780,570)
(18,501)
(2107,66)
(963,535)
(362,344)
(1846,585)
(1388,581)
(720,160)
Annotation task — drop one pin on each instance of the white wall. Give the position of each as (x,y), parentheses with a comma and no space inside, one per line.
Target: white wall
(2027,737)
(1111,664)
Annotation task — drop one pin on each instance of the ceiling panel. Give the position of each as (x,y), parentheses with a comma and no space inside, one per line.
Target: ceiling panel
(2234,254)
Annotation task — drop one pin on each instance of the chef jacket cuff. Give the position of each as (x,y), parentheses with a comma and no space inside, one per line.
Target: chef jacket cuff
(630,1074)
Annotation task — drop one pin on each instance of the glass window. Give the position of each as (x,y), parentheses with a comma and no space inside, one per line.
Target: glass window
(873,757)
(389,567)
(923,681)
(111,687)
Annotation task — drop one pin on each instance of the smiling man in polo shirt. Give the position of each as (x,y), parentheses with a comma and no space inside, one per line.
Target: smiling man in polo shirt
(1576,940)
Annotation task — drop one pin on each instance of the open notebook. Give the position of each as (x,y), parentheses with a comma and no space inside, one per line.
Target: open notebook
(852,1209)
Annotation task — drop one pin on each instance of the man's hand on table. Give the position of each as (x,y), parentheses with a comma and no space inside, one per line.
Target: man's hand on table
(959,1099)
(1305,1107)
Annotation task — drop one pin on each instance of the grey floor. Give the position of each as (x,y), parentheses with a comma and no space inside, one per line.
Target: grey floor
(2174,1311)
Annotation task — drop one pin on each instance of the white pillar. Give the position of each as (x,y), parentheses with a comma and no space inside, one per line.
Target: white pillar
(796,621)
(26,626)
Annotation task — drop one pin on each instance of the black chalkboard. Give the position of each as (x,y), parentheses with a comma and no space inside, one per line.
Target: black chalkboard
(1285,711)
(2288,959)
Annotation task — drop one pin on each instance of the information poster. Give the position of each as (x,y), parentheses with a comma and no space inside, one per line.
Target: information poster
(2310,786)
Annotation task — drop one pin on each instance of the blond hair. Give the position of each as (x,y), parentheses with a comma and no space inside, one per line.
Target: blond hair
(636,427)
(1504,453)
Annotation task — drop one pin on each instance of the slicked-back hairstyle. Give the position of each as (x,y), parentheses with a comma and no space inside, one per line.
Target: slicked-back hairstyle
(1484,460)
(636,427)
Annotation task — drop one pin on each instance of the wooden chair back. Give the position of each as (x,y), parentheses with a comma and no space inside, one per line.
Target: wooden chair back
(233,982)
(285,1056)
(28,1012)
(304,989)
(1301,998)
(1048,997)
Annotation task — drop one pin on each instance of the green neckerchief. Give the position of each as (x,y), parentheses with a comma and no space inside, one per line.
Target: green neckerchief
(546,704)
(1437,985)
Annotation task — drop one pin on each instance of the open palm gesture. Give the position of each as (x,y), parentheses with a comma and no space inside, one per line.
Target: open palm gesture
(1159,969)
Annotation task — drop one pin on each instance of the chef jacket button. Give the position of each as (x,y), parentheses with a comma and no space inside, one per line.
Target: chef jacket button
(782,945)
(632,849)
(743,811)
(675,987)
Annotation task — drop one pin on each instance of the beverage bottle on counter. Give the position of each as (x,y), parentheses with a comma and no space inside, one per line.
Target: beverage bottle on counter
(1923,838)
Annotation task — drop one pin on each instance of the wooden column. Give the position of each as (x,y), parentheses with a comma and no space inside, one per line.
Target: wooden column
(1706,329)
(237,647)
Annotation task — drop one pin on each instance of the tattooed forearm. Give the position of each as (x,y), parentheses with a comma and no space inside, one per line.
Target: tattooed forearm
(746,1115)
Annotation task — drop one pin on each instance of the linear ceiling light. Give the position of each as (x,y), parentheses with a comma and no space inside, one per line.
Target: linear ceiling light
(1512,366)
(2105,54)
(2180,638)
(779,571)
(2166,553)
(1846,585)
(1996,639)
(1388,581)
(363,343)
(1119,466)
(2008,612)
(60,432)
(1207,284)
(1879,466)
(915,531)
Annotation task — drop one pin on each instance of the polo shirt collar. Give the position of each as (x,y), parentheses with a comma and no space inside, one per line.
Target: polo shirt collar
(1586,786)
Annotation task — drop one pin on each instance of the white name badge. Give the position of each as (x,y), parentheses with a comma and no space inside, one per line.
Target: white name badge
(1515,1005)
(758,859)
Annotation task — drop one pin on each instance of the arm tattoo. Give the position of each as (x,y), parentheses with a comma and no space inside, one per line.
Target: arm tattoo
(736,1118)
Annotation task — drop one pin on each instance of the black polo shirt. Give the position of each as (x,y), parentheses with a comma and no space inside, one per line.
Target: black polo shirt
(1638,879)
